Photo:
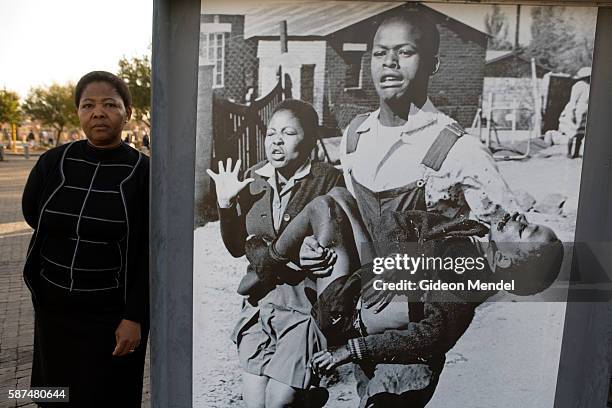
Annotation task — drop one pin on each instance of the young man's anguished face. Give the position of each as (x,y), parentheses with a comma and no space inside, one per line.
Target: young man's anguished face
(401,62)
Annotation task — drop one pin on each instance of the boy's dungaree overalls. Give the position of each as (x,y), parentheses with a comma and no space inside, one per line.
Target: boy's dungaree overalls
(416,383)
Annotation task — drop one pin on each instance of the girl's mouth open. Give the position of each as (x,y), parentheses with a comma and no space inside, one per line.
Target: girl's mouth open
(277,154)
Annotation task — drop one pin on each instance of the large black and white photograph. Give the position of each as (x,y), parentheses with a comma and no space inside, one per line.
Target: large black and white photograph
(330,132)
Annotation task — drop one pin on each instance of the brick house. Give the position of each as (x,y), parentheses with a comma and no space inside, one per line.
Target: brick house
(328,56)
(234,59)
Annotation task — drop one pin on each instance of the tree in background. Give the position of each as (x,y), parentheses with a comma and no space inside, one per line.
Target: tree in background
(496,25)
(10,111)
(136,72)
(555,42)
(9,107)
(52,106)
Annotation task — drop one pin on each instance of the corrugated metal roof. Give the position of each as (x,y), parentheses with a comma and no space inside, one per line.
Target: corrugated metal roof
(493,55)
(310,19)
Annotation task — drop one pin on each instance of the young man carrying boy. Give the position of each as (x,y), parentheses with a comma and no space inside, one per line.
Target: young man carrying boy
(409,156)
(526,257)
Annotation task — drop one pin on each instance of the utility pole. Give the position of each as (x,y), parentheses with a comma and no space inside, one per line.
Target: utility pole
(518,27)
(284,58)
(283,36)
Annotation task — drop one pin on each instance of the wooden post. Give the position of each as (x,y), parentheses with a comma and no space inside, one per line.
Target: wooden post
(489,117)
(282,26)
(537,103)
(514,113)
(518,27)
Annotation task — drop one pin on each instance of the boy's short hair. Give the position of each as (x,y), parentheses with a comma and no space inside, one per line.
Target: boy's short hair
(421,21)
(103,76)
(538,271)
(305,113)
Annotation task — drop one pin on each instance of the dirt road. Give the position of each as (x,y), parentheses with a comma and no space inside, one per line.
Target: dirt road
(508,357)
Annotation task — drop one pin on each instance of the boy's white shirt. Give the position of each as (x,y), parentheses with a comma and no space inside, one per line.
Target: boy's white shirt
(468,183)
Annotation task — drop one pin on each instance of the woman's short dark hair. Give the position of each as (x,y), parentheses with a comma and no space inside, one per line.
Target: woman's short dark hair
(305,113)
(103,76)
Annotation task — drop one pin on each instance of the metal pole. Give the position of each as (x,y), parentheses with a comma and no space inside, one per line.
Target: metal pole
(14,138)
(584,364)
(174,85)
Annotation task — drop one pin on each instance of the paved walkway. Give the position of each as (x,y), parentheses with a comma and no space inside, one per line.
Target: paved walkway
(16,315)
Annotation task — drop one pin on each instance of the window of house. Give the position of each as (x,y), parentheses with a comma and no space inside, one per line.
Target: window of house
(353,57)
(214,53)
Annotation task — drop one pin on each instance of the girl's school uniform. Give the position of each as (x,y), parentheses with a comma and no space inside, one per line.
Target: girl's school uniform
(274,333)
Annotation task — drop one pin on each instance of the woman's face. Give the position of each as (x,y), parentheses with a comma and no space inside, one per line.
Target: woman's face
(102,114)
(286,142)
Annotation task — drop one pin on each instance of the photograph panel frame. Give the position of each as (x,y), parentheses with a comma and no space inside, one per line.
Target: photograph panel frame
(174,103)
(175,85)
(587,325)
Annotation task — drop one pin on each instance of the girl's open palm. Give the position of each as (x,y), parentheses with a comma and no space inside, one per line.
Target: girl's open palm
(226,182)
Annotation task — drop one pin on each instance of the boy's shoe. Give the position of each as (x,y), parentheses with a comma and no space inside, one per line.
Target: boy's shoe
(316,397)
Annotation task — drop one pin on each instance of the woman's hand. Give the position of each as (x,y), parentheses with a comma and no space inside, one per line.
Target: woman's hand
(127,336)
(226,182)
(316,259)
(324,361)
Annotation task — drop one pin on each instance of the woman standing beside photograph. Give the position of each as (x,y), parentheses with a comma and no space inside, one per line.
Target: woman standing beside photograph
(87,264)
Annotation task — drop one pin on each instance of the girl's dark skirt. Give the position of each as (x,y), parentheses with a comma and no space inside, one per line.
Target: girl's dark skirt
(74,338)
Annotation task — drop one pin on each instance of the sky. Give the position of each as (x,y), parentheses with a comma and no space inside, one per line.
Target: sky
(474,15)
(583,18)
(42,42)
(471,14)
